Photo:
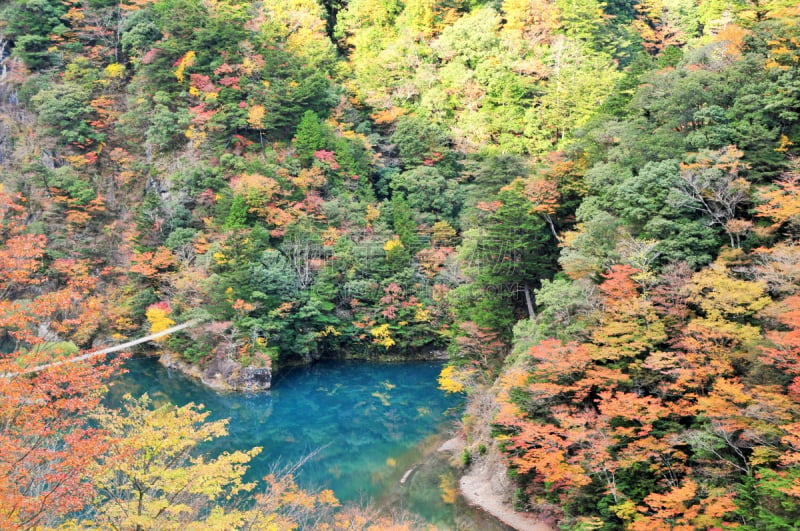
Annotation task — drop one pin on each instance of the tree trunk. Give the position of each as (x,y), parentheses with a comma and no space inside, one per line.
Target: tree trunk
(529,302)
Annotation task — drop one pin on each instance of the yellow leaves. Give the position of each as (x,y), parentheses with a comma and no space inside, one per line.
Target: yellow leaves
(182,63)
(625,511)
(309,178)
(196,135)
(148,477)
(448,380)
(255,115)
(326,497)
(763,456)
(372,214)
(448,489)
(248,66)
(258,190)
(393,244)
(114,71)
(330,236)
(718,293)
(422,315)
(442,234)
(382,336)
(157,314)
(328,331)
(784,144)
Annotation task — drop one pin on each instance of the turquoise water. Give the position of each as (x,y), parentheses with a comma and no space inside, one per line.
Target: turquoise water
(365,423)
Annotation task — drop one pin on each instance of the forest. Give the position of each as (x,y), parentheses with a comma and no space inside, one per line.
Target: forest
(591,207)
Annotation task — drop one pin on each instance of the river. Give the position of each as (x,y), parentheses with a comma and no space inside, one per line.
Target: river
(365,423)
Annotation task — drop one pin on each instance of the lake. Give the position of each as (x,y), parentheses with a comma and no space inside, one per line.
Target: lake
(364,424)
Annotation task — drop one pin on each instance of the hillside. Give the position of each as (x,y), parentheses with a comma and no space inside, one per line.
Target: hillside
(591,206)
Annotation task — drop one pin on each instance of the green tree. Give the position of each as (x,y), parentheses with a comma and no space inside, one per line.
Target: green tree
(404,224)
(506,259)
(64,109)
(310,136)
(32,23)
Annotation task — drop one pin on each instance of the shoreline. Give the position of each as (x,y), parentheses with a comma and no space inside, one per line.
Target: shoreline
(476,487)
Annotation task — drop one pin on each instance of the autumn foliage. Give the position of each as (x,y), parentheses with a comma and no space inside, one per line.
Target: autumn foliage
(592,204)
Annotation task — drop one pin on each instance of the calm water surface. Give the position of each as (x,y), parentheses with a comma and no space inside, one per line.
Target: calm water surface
(365,423)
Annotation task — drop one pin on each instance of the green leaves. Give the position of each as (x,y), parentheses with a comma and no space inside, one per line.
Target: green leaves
(65,110)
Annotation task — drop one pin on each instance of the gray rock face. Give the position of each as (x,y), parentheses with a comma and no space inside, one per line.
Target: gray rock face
(223,374)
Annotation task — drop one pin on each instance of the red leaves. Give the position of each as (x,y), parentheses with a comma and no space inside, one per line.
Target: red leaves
(328,158)
(202,83)
(200,115)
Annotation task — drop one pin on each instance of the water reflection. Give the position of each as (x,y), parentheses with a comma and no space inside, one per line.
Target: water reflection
(365,424)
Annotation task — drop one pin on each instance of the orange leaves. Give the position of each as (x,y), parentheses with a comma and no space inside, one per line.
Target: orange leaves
(642,410)
(151,264)
(543,448)
(619,286)
(431,260)
(733,36)
(671,504)
(46,448)
(782,204)
(479,343)
(543,194)
(682,509)
(388,116)
(20,254)
(558,362)
(786,351)
(19,260)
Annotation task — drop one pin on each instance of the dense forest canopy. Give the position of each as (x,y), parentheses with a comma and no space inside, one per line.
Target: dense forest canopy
(592,206)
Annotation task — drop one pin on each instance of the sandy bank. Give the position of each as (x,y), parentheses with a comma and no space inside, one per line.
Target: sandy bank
(485,485)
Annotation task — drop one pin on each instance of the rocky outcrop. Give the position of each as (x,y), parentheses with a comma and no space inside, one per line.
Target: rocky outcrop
(223,374)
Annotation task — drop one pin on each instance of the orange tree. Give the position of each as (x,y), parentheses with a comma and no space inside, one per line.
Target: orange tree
(46,445)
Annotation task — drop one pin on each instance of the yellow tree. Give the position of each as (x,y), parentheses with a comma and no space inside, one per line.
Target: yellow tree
(152,477)
(149,478)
